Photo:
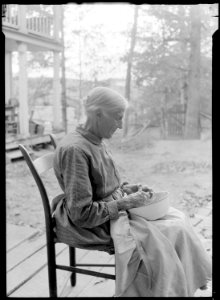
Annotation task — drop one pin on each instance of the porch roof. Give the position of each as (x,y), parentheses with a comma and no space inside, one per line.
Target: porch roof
(34,42)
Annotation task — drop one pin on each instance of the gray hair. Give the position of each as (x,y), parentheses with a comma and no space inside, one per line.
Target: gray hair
(104,98)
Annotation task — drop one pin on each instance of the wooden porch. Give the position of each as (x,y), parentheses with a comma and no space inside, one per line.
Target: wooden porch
(30,28)
(27,267)
(36,20)
(27,263)
(12,150)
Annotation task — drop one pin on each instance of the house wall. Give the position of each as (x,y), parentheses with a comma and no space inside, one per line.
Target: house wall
(8,76)
(27,33)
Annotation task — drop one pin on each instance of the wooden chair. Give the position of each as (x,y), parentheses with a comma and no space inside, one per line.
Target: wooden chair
(37,168)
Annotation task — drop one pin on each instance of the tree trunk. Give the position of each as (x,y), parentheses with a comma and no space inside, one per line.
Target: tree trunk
(63,81)
(79,111)
(164,114)
(129,68)
(192,129)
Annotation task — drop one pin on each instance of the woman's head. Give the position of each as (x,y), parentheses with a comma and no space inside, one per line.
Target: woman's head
(105,99)
(105,109)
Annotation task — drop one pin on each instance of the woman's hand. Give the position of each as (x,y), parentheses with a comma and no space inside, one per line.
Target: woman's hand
(129,188)
(133,188)
(140,198)
(118,194)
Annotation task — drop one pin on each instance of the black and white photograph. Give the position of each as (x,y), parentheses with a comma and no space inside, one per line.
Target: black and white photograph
(108,149)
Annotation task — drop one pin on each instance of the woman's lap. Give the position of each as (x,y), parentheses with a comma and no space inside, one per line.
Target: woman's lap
(170,248)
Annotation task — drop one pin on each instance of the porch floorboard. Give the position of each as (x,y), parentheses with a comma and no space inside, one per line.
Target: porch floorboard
(27,263)
(27,267)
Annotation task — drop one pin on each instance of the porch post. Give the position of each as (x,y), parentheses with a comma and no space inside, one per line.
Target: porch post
(8,76)
(57,93)
(22,17)
(57,21)
(23,90)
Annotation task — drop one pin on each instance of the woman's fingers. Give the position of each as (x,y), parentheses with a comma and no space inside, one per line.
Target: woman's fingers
(139,187)
(147,189)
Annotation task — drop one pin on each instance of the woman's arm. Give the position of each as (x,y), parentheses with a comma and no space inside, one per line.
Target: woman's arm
(80,205)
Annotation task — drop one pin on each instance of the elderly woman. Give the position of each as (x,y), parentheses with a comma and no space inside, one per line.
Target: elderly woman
(158,258)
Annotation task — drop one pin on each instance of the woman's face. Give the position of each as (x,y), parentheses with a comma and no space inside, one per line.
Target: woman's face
(109,122)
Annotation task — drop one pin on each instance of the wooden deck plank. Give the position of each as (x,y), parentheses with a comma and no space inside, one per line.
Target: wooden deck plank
(84,280)
(19,239)
(24,250)
(20,274)
(17,235)
(21,264)
(38,285)
(100,287)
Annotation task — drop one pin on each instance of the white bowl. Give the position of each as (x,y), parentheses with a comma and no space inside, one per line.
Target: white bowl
(155,210)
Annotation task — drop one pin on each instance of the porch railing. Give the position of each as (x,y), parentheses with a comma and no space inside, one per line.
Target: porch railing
(11,16)
(42,24)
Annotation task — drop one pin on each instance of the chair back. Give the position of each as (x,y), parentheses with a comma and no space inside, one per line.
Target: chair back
(37,168)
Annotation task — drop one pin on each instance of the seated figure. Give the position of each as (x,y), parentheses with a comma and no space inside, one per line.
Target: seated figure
(159,258)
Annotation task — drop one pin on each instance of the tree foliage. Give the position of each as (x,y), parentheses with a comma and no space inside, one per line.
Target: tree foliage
(163,57)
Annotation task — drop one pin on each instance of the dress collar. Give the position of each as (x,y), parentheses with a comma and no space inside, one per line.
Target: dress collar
(88,135)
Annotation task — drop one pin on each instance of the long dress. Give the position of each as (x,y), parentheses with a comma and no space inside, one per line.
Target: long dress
(162,258)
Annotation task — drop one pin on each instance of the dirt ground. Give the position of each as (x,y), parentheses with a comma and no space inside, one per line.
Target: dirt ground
(182,167)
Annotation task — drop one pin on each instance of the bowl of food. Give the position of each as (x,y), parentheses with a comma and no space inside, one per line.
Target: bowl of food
(157,209)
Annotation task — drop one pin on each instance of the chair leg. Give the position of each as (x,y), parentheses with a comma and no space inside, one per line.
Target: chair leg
(52,276)
(72,255)
(52,282)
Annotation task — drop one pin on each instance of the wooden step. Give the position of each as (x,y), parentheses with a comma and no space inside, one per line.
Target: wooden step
(11,146)
(30,141)
(14,154)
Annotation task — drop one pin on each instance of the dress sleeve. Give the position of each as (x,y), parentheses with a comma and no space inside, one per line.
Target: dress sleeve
(81,207)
